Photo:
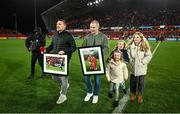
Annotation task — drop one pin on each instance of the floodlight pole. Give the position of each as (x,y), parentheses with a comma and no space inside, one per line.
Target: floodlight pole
(15,22)
(35,18)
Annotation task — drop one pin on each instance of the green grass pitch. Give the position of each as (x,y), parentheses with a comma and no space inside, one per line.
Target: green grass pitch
(18,94)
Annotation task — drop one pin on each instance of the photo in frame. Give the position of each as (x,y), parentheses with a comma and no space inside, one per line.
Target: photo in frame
(55,64)
(91,60)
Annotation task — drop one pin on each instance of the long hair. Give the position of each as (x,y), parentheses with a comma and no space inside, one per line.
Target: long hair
(112,56)
(144,46)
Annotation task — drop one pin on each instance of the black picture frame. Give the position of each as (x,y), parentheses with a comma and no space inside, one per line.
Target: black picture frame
(92,60)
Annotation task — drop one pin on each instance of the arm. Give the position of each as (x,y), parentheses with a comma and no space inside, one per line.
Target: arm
(72,45)
(43,41)
(147,57)
(85,41)
(105,47)
(27,42)
(50,47)
(108,72)
(125,72)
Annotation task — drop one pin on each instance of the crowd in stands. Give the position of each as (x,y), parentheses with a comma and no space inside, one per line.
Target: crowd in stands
(128,18)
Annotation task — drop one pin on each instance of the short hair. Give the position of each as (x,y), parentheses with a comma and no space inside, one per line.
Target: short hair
(62,21)
(95,21)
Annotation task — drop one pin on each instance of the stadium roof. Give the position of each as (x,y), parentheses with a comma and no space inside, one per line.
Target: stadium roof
(70,9)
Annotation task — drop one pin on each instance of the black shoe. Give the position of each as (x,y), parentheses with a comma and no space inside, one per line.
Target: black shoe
(116,103)
(114,91)
(124,91)
(31,76)
(110,95)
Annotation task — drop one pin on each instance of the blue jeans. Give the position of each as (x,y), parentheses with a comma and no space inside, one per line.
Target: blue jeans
(96,84)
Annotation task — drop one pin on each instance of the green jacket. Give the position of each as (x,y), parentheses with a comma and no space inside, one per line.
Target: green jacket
(99,39)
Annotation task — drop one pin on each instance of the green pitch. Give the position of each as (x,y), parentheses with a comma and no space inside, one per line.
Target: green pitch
(18,94)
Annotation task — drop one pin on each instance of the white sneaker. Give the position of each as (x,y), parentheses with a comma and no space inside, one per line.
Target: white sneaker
(95,99)
(88,96)
(61,99)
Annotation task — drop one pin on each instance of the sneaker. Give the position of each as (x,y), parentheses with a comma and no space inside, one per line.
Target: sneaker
(88,96)
(61,99)
(31,76)
(95,99)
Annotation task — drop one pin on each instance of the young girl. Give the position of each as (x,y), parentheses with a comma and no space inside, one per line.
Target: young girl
(116,73)
(121,46)
(140,55)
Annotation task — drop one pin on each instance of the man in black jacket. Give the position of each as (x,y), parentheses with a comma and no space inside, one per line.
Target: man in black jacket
(62,43)
(33,44)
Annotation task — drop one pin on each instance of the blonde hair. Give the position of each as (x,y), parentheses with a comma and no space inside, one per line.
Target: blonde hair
(144,46)
(121,41)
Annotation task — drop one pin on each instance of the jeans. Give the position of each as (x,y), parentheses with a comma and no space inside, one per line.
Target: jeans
(63,80)
(137,84)
(96,84)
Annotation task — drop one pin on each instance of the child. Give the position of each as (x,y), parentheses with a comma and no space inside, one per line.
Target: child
(121,46)
(116,73)
(139,55)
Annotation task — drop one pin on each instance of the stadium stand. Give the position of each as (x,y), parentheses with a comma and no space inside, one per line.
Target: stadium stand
(11,34)
(119,19)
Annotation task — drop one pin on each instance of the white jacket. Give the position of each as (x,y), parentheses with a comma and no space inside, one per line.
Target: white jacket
(116,73)
(138,60)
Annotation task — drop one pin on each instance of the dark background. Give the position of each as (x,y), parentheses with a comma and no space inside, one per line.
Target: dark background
(24,9)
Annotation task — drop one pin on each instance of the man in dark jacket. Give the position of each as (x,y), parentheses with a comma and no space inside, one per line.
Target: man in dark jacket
(33,44)
(62,43)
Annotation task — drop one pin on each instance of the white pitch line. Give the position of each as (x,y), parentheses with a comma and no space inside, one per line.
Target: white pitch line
(125,98)
(156,48)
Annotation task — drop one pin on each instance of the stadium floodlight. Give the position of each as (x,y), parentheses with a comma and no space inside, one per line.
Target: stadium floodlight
(90,4)
(97,1)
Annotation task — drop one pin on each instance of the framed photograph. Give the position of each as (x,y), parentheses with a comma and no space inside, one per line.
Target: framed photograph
(55,64)
(91,60)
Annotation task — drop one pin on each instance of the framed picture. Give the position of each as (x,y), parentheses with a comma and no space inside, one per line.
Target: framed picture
(91,60)
(55,64)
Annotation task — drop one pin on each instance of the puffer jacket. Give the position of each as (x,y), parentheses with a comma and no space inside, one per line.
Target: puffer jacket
(116,73)
(138,60)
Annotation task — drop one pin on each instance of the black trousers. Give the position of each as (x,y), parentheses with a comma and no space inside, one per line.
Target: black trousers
(137,84)
(36,56)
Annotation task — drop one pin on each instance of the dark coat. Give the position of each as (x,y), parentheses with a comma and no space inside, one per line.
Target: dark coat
(63,41)
(34,42)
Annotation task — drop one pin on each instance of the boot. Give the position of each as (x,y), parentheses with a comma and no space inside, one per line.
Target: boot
(110,95)
(116,103)
(140,99)
(124,91)
(132,97)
